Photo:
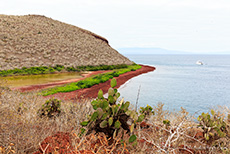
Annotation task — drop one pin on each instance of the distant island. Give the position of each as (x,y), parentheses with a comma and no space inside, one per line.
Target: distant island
(139,50)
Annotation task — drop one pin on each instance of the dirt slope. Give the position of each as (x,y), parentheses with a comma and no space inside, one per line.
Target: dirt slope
(34,40)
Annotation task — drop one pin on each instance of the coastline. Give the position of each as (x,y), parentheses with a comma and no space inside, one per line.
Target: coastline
(92,92)
(56,83)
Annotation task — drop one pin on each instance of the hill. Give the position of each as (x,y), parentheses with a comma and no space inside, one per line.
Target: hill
(34,40)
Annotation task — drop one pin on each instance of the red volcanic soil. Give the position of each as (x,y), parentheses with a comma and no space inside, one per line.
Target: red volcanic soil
(60,142)
(87,92)
(92,92)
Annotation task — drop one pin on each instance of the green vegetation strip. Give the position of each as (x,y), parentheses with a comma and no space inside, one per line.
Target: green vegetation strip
(57,68)
(89,82)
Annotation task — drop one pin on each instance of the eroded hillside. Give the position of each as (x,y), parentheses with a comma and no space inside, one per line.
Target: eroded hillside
(34,40)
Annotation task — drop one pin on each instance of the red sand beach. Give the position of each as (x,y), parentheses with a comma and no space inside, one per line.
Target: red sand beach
(57,83)
(88,92)
(93,91)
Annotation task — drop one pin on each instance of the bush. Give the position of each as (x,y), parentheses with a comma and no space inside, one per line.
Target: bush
(58,68)
(51,108)
(70,69)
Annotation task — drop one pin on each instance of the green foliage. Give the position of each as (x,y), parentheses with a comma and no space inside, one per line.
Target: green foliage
(84,123)
(100,94)
(146,111)
(113,83)
(50,108)
(97,68)
(58,68)
(32,70)
(213,125)
(109,116)
(132,138)
(89,82)
(166,123)
(102,67)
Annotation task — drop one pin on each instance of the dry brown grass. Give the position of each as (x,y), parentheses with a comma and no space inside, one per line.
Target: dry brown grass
(20,124)
(22,130)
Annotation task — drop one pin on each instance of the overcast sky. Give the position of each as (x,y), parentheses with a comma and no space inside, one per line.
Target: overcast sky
(185,25)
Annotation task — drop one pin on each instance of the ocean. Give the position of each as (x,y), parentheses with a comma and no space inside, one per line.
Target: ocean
(179,82)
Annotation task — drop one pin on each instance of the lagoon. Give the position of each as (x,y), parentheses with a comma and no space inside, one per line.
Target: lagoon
(27,80)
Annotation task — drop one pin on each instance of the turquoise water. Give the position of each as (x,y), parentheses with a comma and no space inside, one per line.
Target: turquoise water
(179,82)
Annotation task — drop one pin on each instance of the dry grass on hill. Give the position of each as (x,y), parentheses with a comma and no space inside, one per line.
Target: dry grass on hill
(34,40)
(21,125)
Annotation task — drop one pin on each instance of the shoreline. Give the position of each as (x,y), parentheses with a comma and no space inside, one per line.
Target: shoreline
(56,83)
(92,92)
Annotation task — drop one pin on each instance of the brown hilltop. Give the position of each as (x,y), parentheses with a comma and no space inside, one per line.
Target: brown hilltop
(34,40)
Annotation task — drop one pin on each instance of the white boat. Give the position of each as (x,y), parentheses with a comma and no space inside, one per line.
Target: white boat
(199,62)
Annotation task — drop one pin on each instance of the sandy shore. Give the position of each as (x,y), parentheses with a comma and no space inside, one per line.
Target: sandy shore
(93,91)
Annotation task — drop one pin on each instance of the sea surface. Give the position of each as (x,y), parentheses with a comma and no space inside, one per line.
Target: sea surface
(179,82)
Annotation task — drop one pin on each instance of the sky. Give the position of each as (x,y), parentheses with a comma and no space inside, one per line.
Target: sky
(199,26)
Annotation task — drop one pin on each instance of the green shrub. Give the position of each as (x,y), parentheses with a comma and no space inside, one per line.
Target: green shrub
(50,108)
(71,69)
(58,68)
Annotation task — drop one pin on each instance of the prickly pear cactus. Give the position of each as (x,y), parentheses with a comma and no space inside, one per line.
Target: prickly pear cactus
(146,111)
(111,116)
(213,125)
